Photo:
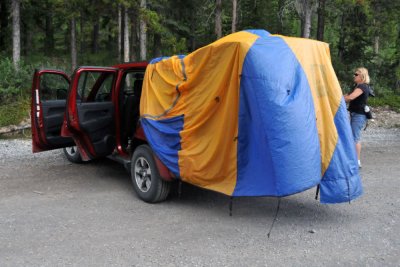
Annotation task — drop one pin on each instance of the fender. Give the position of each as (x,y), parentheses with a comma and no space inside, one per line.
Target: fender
(165,174)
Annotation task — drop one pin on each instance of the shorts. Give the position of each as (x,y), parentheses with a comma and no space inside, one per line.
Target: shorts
(357,122)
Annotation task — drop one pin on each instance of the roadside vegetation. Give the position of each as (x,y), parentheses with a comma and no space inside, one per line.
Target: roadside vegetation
(66,34)
(15,111)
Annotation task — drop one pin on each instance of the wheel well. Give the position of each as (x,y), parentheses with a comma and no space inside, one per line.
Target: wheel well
(164,172)
(135,143)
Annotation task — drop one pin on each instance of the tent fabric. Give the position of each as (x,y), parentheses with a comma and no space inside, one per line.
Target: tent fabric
(252,114)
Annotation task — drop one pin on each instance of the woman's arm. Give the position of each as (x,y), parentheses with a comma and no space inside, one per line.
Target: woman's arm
(356,93)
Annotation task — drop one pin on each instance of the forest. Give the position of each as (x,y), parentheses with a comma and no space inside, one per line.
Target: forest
(64,34)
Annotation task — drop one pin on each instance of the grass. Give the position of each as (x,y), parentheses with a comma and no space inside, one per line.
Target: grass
(13,112)
(391,100)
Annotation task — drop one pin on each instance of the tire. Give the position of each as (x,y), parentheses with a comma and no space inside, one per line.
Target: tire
(147,182)
(72,154)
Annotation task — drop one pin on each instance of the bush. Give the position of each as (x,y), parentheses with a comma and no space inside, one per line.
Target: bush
(14,83)
(14,112)
(386,98)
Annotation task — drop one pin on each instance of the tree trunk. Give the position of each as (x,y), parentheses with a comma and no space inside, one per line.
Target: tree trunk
(307,22)
(218,18)
(321,20)
(143,34)
(95,39)
(119,32)
(302,27)
(16,33)
(376,35)
(157,45)
(3,24)
(134,38)
(74,63)
(305,10)
(126,35)
(376,44)
(49,43)
(110,37)
(281,7)
(82,36)
(234,15)
(26,39)
(341,38)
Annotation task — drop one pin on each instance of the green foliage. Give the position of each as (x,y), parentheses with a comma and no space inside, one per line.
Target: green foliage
(14,111)
(359,32)
(387,98)
(14,83)
(175,46)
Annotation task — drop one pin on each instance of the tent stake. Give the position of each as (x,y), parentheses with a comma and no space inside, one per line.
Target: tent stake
(317,192)
(275,217)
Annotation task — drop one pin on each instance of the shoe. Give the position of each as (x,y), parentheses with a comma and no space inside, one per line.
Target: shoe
(359,164)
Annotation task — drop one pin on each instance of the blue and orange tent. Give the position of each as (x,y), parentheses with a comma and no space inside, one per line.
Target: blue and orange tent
(252,114)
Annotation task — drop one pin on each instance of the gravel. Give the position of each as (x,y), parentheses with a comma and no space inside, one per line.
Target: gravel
(54,213)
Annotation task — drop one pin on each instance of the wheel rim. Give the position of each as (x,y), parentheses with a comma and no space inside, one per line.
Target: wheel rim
(143,174)
(72,150)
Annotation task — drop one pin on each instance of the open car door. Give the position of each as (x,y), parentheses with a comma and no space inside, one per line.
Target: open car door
(90,111)
(49,94)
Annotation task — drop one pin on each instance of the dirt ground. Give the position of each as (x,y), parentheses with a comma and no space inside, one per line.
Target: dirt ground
(54,213)
(385,118)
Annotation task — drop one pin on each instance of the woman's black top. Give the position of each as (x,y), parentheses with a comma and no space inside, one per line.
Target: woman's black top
(357,105)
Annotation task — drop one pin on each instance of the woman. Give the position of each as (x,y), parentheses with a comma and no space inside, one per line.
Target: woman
(358,100)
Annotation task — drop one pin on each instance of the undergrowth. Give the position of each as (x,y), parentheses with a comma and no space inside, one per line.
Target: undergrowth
(390,100)
(14,111)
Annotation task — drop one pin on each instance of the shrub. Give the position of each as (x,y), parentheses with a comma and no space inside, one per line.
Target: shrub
(14,111)
(386,98)
(14,83)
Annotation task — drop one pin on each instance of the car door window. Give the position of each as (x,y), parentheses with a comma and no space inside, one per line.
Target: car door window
(85,84)
(132,83)
(53,87)
(95,86)
(104,91)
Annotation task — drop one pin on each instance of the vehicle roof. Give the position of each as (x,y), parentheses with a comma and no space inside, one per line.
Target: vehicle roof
(129,65)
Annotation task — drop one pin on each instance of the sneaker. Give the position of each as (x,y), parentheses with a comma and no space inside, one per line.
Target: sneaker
(359,164)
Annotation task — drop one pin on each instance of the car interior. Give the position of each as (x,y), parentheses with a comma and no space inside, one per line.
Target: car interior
(96,110)
(130,94)
(94,106)
(53,94)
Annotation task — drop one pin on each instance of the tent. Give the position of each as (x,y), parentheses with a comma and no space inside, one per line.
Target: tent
(252,114)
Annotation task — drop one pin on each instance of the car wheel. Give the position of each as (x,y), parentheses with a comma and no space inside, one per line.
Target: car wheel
(72,154)
(147,182)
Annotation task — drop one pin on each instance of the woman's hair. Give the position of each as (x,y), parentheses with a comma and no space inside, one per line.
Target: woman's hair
(364,75)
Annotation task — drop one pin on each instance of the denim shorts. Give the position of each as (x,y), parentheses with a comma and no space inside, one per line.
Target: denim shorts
(357,122)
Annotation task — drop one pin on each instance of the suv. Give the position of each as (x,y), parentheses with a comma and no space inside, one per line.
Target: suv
(94,114)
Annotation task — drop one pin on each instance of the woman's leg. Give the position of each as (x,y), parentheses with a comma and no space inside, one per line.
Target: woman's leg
(358,149)
(357,123)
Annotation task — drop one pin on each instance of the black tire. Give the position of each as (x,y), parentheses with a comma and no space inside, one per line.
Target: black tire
(72,154)
(147,182)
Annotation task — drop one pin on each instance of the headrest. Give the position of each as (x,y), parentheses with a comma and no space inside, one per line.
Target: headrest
(139,76)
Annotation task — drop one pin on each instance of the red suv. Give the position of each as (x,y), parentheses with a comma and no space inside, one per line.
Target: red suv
(94,114)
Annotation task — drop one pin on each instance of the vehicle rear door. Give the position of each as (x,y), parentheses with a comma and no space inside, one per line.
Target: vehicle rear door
(90,111)
(49,94)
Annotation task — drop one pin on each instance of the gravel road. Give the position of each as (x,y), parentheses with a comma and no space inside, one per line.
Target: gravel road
(54,213)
